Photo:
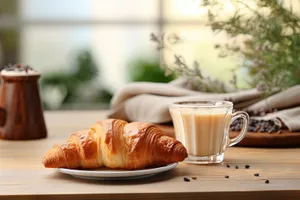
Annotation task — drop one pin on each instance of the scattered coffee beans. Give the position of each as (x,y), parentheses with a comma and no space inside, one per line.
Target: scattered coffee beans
(237,167)
(256,126)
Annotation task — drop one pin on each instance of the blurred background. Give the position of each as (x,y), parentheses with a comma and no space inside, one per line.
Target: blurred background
(88,49)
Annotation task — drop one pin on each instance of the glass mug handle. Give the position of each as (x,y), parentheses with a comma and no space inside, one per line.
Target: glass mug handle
(245,117)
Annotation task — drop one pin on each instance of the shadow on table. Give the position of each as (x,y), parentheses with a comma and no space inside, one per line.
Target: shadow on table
(164,176)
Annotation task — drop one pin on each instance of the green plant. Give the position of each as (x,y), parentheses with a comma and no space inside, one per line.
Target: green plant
(148,71)
(83,72)
(74,83)
(270,34)
(264,33)
(193,73)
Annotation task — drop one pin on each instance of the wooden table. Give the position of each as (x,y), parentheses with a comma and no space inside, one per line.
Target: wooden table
(22,175)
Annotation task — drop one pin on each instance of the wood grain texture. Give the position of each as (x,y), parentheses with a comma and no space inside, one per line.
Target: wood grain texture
(252,139)
(22,175)
(21,113)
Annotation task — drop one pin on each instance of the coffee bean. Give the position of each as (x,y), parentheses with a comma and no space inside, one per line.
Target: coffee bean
(236,167)
(194,178)
(228,166)
(247,166)
(256,174)
(226,176)
(267,181)
(186,179)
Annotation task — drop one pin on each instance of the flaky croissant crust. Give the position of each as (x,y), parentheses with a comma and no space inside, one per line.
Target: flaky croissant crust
(115,143)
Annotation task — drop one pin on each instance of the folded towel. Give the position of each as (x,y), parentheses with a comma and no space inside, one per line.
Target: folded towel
(143,101)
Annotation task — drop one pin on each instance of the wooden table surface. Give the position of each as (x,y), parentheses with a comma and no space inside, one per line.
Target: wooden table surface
(22,175)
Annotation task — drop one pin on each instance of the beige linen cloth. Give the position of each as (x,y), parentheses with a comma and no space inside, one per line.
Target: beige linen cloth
(149,102)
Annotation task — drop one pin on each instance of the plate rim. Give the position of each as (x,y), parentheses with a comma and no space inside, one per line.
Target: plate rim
(113,173)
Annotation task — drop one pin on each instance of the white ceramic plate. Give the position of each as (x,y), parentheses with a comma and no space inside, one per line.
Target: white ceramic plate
(110,174)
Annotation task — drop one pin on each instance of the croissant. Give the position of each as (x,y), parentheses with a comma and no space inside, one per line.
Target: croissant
(115,143)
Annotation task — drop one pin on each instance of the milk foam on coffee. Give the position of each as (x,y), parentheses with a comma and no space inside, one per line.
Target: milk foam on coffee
(203,133)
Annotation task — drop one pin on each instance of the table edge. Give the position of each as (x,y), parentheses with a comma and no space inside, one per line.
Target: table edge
(245,195)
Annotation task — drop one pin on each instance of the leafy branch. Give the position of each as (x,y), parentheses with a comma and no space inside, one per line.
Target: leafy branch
(264,33)
(180,67)
(271,40)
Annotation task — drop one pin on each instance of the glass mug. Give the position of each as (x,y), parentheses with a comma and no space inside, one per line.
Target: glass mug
(203,128)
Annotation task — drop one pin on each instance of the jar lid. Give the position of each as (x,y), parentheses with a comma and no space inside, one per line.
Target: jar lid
(18,70)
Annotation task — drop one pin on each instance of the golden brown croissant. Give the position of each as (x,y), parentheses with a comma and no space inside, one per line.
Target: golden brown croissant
(116,144)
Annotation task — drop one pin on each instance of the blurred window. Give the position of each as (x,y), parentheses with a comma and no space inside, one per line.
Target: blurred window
(48,34)
(115,32)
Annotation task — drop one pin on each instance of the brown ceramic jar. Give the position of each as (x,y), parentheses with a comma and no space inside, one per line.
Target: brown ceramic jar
(21,112)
